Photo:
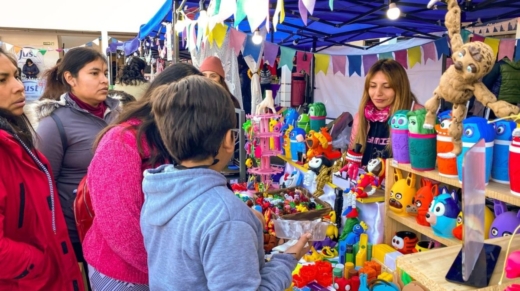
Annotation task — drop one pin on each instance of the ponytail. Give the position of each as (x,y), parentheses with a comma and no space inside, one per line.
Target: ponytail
(54,86)
(131,74)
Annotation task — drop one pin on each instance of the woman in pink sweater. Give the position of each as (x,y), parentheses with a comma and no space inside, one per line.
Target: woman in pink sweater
(113,246)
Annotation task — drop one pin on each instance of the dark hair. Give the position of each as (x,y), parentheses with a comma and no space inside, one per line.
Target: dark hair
(73,61)
(131,73)
(20,124)
(142,110)
(193,116)
(28,60)
(222,82)
(58,61)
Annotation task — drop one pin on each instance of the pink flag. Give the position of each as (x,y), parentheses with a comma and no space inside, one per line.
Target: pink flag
(506,48)
(477,37)
(368,61)
(303,61)
(402,58)
(429,51)
(339,64)
(236,40)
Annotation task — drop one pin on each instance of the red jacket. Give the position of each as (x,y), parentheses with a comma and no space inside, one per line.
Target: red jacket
(34,254)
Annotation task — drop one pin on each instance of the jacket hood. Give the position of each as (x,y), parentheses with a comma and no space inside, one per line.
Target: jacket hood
(168,190)
(4,125)
(40,109)
(515,65)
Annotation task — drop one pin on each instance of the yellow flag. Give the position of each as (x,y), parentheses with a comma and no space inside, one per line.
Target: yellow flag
(17,49)
(493,43)
(219,33)
(282,11)
(322,63)
(414,56)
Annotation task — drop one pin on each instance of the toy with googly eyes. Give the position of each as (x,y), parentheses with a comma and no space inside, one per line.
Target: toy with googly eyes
(475,129)
(462,80)
(399,136)
(447,164)
(404,242)
(402,193)
(422,200)
(443,214)
(505,221)
(504,135)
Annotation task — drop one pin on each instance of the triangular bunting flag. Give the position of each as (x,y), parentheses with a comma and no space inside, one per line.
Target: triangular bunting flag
(414,56)
(441,45)
(43,51)
(96,41)
(251,49)
(240,13)
(331,5)
(321,63)
(303,12)
(506,49)
(402,58)
(17,49)
(236,40)
(226,10)
(286,57)
(8,46)
(493,43)
(465,35)
(26,50)
(59,50)
(309,4)
(66,50)
(387,55)
(517,52)
(339,64)
(429,52)
(303,61)
(257,11)
(219,34)
(279,14)
(35,52)
(368,61)
(354,65)
(477,37)
(270,52)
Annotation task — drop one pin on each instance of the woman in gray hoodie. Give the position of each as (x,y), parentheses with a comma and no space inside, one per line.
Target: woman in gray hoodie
(73,109)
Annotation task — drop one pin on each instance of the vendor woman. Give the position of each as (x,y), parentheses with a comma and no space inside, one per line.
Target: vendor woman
(387,90)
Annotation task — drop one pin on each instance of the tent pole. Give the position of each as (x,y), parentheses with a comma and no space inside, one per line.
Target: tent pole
(310,97)
(175,35)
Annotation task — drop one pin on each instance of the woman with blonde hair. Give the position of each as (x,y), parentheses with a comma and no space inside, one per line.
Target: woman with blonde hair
(387,90)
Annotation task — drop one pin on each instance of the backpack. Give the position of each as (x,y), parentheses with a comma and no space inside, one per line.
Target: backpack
(83,211)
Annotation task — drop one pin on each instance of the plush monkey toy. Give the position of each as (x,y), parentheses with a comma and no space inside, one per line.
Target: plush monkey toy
(462,80)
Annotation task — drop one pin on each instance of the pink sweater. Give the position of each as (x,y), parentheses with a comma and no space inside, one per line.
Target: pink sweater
(114,244)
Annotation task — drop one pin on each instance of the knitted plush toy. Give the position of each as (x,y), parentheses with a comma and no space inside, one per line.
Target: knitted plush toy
(461,81)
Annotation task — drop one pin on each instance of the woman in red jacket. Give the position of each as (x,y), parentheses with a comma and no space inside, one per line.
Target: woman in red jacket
(35,250)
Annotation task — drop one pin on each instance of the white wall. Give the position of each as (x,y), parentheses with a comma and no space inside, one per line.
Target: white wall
(33,40)
(93,15)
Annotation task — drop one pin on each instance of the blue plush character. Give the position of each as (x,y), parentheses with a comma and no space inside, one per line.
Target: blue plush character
(297,137)
(290,118)
(504,135)
(475,129)
(445,115)
(443,213)
(353,237)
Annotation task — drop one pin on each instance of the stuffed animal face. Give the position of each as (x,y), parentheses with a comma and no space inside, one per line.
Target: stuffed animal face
(443,213)
(505,221)
(316,163)
(477,128)
(399,120)
(404,242)
(504,130)
(375,166)
(303,121)
(473,61)
(291,117)
(443,127)
(402,192)
(297,134)
(416,120)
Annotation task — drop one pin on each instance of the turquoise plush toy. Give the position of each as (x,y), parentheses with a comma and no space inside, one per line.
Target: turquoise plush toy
(443,213)
(377,285)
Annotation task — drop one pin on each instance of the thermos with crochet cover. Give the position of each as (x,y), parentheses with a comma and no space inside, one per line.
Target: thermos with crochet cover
(399,137)
(447,164)
(503,136)
(514,163)
(474,129)
(422,142)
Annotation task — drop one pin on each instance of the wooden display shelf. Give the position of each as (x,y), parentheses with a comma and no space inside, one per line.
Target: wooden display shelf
(493,190)
(410,224)
(379,196)
(431,267)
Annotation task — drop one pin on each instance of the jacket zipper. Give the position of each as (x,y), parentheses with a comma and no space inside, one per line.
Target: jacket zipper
(22,206)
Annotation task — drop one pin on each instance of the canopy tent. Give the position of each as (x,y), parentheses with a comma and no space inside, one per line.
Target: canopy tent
(353,20)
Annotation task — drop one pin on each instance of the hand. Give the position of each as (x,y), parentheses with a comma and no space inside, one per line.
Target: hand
(301,247)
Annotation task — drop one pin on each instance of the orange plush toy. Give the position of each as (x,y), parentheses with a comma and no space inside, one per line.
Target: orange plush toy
(320,144)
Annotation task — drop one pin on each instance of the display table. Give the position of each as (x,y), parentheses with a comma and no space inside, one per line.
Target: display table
(430,268)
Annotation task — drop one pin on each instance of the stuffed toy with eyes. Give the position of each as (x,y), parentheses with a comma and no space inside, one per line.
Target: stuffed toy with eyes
(462,80)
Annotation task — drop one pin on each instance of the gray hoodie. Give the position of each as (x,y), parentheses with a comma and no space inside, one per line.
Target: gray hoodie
(68,165)
(200,236)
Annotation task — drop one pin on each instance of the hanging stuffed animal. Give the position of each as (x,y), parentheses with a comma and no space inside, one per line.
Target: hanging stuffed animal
(461,81)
